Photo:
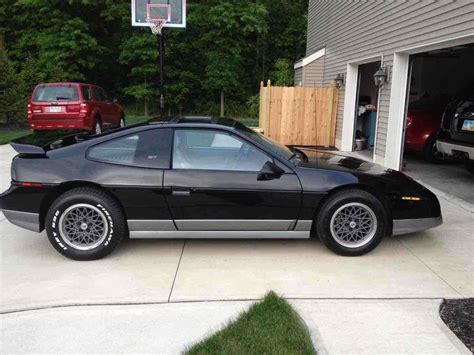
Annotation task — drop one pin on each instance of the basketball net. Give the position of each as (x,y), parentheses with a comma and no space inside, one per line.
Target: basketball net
(156,25)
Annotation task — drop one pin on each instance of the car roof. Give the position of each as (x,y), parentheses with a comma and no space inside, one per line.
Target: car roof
(211,120)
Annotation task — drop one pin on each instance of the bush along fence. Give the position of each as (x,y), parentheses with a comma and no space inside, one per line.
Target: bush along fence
(298,115)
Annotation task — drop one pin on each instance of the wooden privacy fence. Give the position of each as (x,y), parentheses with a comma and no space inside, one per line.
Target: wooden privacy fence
(298,115)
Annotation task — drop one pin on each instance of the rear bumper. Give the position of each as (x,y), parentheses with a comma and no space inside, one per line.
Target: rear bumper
(405,226)
(453,148)
(25,220)
(53,124)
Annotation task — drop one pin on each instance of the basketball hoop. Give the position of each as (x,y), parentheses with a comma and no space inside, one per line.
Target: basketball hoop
(156,25)
(157,15)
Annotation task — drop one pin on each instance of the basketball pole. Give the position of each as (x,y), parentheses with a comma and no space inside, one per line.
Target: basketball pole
(161,48)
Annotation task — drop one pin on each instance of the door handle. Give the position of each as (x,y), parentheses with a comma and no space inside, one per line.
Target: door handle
(181,192)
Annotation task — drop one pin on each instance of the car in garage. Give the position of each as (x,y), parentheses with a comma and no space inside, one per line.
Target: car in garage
(206,177)
(456,138)
(423,123)
(73,106)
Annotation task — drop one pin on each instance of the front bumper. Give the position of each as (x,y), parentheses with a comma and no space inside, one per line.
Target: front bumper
(25,220)
(405,226)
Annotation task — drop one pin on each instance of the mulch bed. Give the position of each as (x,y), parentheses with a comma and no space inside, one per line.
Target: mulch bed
(459,317)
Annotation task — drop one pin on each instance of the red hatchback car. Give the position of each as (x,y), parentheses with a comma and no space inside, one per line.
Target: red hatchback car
(55,106)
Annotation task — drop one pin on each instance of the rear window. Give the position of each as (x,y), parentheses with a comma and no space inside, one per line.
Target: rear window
(56,93)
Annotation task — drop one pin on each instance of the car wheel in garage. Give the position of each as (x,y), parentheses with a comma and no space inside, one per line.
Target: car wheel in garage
(470,166)
(351,222)
(85,224)
(431,152)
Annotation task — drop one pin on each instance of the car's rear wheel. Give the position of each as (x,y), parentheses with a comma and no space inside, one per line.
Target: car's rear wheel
(351,222)
(85,224)
(122,121)
(97,126)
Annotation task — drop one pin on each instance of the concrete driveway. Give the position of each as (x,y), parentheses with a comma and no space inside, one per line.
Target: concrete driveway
(431,265)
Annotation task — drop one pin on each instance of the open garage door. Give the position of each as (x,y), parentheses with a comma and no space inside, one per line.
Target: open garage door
(441,84)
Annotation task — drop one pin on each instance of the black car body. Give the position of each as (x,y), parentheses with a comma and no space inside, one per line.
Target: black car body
(456,137)
(201,177)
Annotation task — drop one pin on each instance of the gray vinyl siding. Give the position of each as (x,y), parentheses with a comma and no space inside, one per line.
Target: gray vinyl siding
(299,76)
(354,30)
(314,73)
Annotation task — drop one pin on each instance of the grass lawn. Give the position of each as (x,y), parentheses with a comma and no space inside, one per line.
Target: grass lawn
(7,135)
(268,327)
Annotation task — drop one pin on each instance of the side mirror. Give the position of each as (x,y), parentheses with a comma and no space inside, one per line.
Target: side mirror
(269,171)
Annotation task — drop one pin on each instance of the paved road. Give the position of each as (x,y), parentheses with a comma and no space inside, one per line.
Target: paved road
(425,266)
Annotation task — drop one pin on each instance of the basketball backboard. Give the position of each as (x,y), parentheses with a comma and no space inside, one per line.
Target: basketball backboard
(174,11)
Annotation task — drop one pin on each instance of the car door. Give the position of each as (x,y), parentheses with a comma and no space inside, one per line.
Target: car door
(131,167)
(213,185)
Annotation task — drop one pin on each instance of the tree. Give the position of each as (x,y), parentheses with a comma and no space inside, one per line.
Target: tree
(12,103)
(139,54)
(283,74)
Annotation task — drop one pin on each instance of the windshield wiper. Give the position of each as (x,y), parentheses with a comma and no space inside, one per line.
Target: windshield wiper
(63,98)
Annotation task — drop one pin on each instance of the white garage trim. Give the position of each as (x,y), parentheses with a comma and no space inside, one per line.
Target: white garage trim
(396,112)
(348,120)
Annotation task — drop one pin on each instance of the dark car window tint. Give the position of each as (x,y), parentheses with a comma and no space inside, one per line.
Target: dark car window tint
(56,93)
(86,93)
(214,150)
(97,94)
(147,149)
(104,95)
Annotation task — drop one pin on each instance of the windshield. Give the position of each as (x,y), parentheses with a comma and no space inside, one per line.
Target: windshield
(276,148)
(56,93)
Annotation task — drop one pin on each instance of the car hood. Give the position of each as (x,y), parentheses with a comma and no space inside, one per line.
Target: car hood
(319,159)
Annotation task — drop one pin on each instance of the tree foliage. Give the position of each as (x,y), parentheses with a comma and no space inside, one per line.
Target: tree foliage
(228,46)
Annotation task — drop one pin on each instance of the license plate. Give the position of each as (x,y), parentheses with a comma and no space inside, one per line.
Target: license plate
(54,109)
(468,125)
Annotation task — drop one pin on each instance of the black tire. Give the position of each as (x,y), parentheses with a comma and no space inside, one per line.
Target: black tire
(470,166)
(102,207)
(430,151)
(351,199)
(97,128)
(122,122)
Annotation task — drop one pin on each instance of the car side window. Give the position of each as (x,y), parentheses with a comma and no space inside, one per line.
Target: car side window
(205,149)
(146,149)
(105,96)
(86,93)
(97,94)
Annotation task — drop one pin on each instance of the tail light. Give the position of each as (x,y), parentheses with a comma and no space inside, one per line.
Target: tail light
(84,108)
(29,110)
(408,122)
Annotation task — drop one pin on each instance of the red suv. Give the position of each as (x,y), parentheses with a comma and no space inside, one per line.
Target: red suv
(73,106)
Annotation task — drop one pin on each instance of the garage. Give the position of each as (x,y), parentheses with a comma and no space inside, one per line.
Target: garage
(440,81)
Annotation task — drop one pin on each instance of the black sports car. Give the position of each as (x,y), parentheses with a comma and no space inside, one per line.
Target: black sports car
(206,177)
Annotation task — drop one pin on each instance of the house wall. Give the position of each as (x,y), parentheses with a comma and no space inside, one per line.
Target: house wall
(299,76)
(314,73)
(351,31)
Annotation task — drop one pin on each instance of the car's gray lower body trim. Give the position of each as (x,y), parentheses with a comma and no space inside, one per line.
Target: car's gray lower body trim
(234,224)
(150,225)
(219,235)
(405,226)
(303,225)
(448,147)
(25,220)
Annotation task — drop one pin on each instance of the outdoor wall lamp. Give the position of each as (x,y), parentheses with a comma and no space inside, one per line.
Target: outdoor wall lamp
(380,77)
(339,80)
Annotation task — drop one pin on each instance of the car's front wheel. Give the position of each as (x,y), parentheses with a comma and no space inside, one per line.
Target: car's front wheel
(351,222)
(85,224)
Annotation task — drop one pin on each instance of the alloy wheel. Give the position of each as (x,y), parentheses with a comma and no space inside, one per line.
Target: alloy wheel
(83,226)
(353,225)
